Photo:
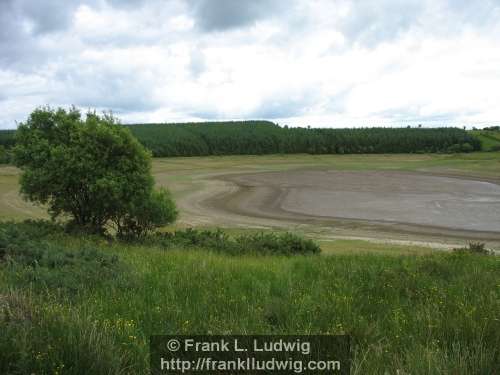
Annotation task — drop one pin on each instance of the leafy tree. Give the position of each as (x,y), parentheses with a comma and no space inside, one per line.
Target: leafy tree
(145,215)
(92,170)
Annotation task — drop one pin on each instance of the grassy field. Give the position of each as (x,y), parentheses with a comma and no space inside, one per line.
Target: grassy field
(80,305)
(490,139)
(88,306)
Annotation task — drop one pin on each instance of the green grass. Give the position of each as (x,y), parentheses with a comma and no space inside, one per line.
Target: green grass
(88,306)
(490,139)
(416,314)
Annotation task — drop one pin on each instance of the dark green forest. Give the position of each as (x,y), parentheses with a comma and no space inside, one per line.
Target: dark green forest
(264,137)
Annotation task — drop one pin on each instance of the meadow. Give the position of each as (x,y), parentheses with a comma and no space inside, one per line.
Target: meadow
(81,305)
(490,139)
(73,304)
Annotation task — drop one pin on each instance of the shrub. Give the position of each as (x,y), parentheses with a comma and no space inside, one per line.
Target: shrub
(259,243)
(147,215)
(278,243)
(474,248)
(93,170)
(41,262)
(466,147)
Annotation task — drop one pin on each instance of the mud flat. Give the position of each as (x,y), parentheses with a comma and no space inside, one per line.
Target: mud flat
(390,201)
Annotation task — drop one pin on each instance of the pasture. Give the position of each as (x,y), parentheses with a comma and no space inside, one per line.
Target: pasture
(490,139)
(75,304)
(89,306)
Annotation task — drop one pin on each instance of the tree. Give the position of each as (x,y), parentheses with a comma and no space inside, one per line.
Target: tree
(146,215)
(92,170)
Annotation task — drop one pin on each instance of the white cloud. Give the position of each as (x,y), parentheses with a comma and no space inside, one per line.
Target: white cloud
(323,63)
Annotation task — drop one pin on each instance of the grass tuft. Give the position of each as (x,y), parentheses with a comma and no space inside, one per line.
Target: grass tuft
(407,314)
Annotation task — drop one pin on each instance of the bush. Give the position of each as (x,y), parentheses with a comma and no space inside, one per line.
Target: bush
(92,170)
(466,147)
(277,243)
(147,215)
(474,248)
(36,260)
(259,243)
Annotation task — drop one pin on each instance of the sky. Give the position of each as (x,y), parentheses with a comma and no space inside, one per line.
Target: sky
(323,63)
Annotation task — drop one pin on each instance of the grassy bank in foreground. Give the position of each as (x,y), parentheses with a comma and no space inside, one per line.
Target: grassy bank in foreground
(88,306)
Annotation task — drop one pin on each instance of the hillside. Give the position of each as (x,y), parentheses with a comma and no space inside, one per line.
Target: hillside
(264,137)
(490,139)
(84,305)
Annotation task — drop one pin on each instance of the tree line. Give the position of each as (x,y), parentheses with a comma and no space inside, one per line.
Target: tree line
(264,137)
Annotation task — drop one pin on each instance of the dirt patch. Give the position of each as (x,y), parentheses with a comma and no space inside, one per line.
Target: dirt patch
(381,196)
(388,204)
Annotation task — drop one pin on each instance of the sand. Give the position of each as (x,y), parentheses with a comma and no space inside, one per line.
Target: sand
(389,200)
(382,196)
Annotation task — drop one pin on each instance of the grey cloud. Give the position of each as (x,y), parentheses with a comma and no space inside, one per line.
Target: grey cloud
(103,87)
(475,12)
(460,14)
(221,15)
(126,3)
(43,16)
(338,102)
(22,22)
(370,22)
(29,27)
(49,15)
(412,116)
(205,114)
(286,105)
(277,105)
(197,64)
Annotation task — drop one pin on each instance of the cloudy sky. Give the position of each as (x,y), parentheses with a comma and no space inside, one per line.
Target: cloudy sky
(297,62)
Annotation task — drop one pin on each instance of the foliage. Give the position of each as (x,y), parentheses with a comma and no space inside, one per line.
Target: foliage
(397,309)
(5,155)
(263,137)
(489,138)
(475,248)
(257,243)
(93,170)
(145,215)
(278,243)
(7,138)
(26,249)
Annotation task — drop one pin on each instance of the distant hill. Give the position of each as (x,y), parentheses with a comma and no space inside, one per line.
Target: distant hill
(490,139)
(265,137)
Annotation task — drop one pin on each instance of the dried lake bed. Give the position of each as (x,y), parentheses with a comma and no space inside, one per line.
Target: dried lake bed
(397,205)
(384,196)
(433,200)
